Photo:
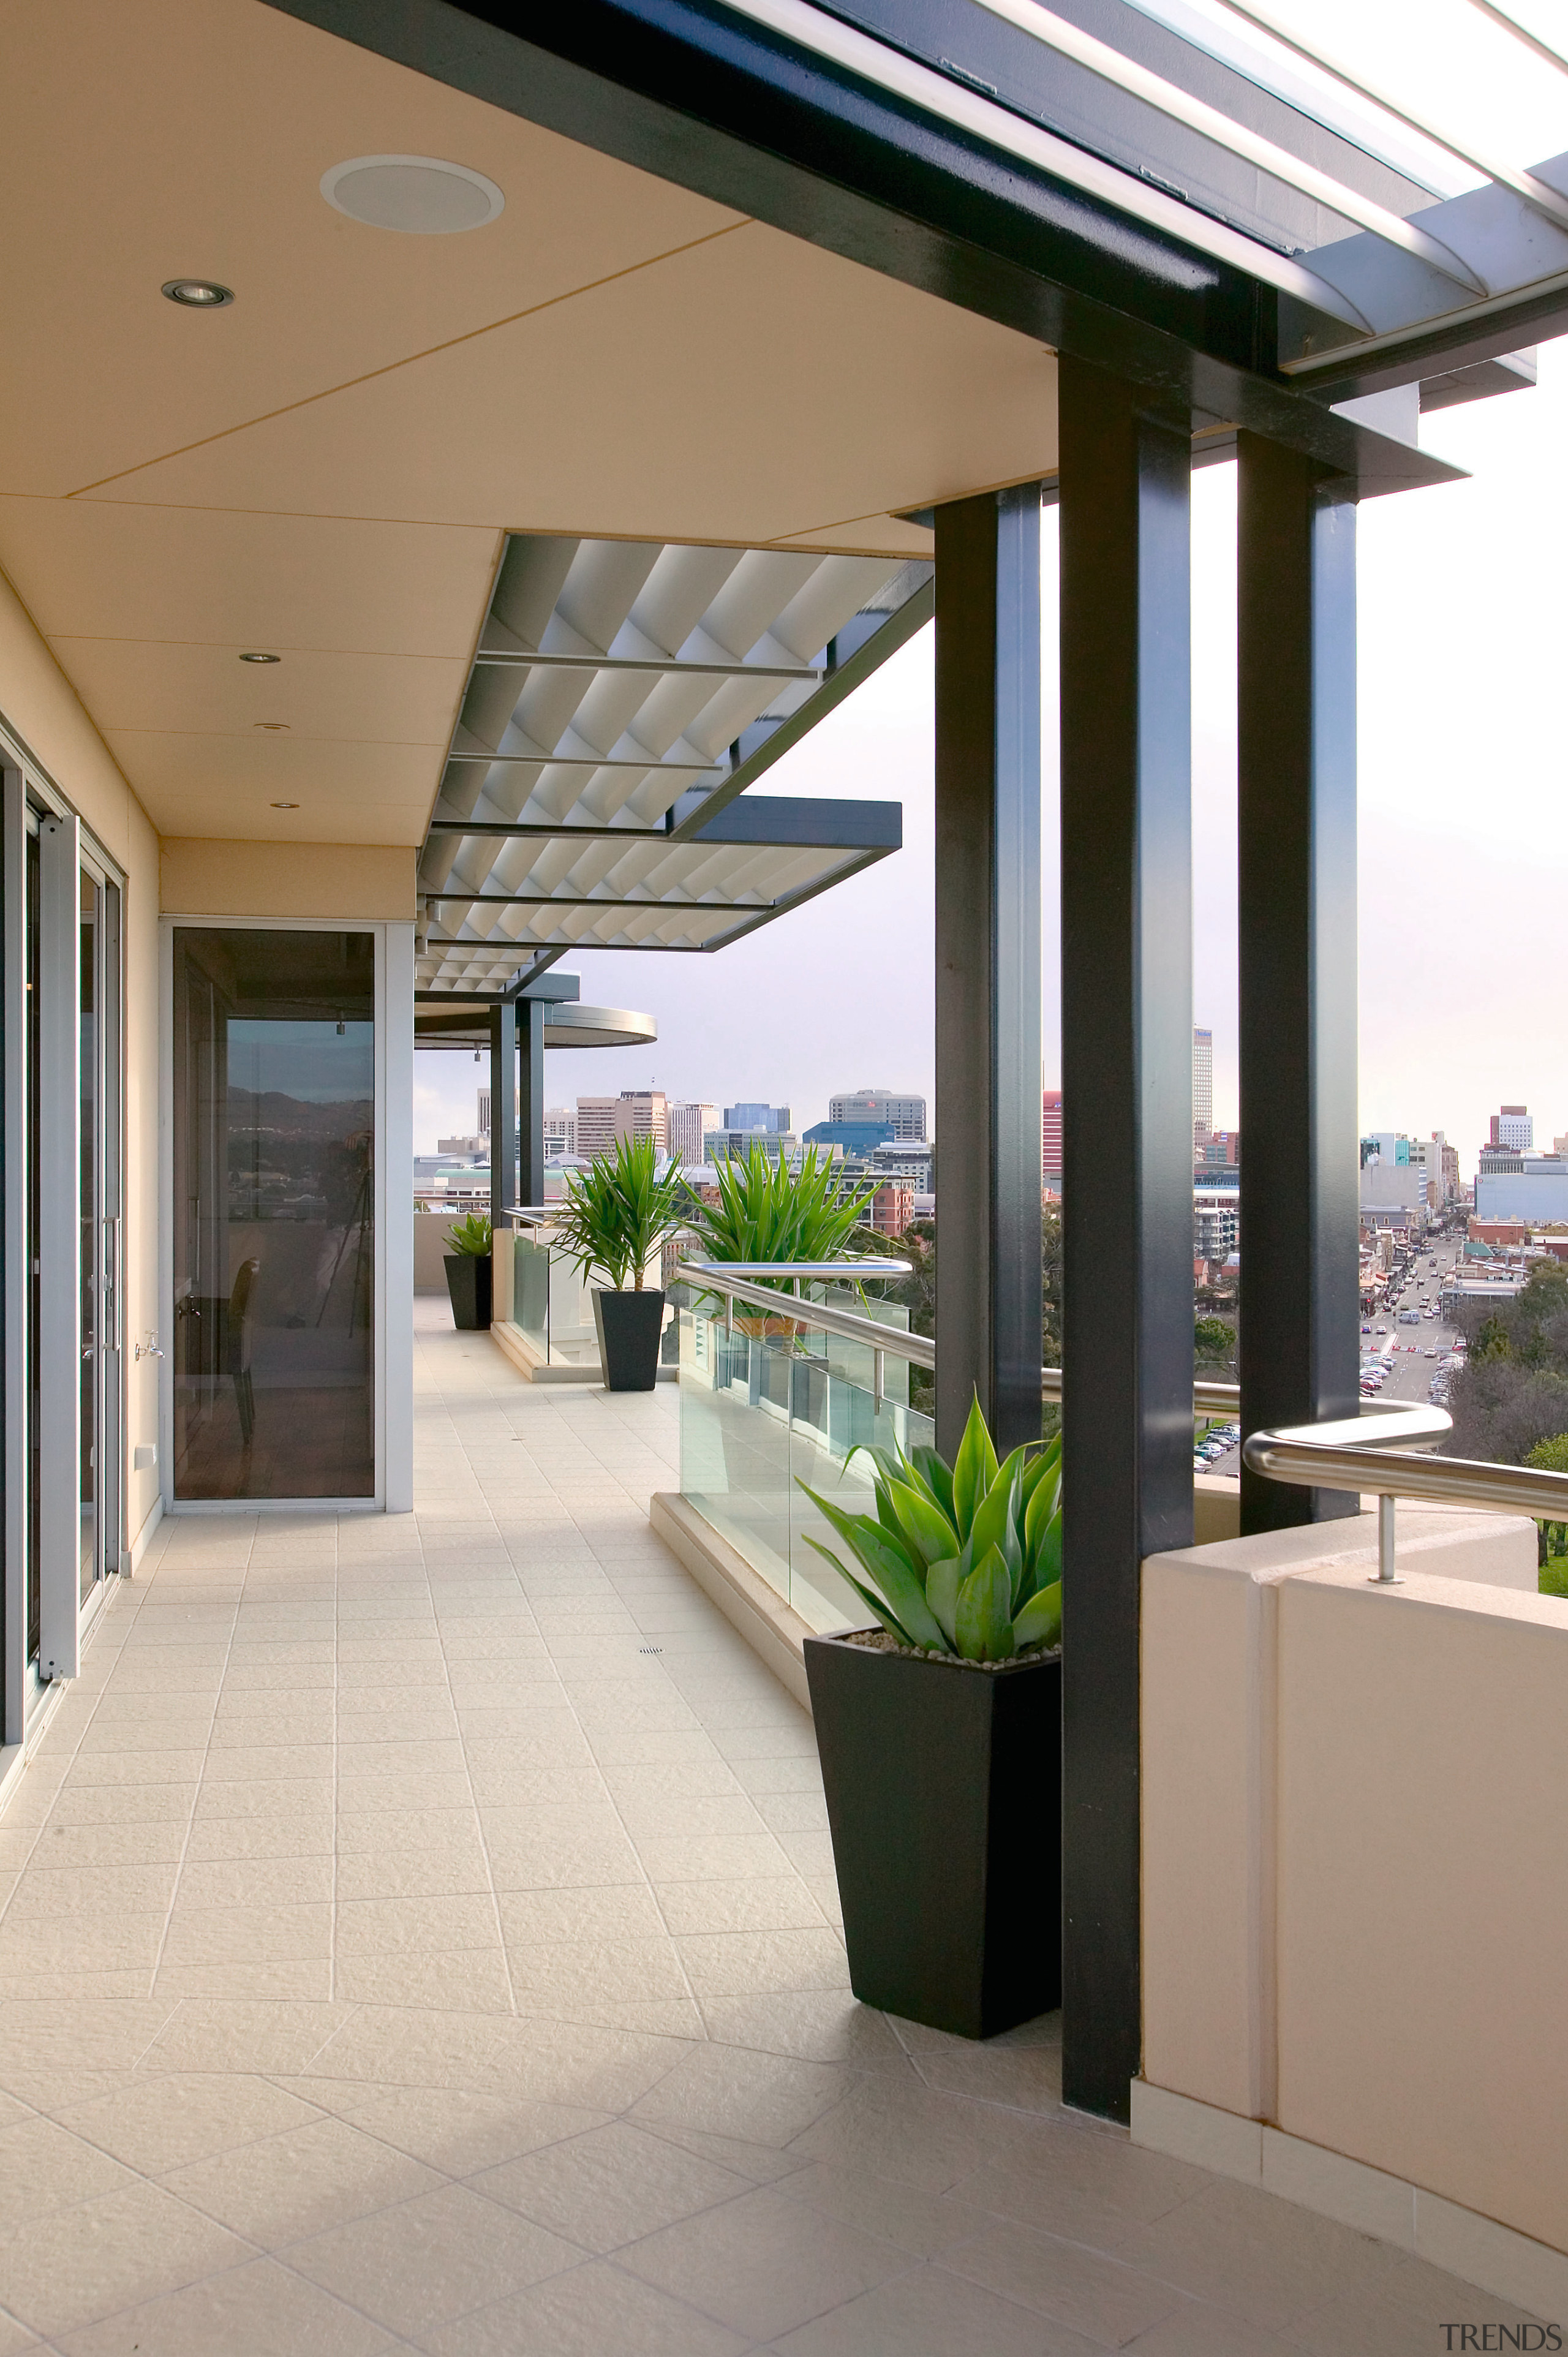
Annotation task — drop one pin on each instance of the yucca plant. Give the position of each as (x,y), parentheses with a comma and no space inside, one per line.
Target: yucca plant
(966,1561)
(615,1215)
(769,1210)
(471,1237)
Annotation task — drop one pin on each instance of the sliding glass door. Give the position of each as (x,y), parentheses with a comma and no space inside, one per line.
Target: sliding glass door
(274,1213)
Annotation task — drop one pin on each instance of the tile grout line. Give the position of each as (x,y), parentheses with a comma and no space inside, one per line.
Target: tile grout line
(200,1775)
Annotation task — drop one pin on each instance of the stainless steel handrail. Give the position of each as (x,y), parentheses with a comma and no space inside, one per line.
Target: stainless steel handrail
(1335,1457)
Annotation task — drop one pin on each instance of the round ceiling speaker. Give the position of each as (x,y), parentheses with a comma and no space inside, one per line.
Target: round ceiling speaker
(419,194)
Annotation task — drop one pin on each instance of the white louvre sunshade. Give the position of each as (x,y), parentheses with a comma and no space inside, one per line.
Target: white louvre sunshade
(612,679)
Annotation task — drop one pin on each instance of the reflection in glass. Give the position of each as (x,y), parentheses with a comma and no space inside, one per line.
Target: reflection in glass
(90,1230)
(274,1213)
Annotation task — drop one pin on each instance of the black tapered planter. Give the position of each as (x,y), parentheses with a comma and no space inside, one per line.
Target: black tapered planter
(628,1326)
(943,1787)
(468,1283)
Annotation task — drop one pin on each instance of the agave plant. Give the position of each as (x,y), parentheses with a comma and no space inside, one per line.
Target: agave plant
(966,1562)
(768,1211)
(617,1213)
(470,1237)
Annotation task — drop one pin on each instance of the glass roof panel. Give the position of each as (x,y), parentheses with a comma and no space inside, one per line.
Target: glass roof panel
(1454,66)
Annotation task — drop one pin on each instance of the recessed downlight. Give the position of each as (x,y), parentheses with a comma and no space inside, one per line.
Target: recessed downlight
(285,806)
(421,196)
(255,656)
(197,293)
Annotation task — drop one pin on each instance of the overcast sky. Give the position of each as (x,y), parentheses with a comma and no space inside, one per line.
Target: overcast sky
(1463,836)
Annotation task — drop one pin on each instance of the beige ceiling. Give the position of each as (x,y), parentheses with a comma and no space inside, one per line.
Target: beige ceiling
(325,469)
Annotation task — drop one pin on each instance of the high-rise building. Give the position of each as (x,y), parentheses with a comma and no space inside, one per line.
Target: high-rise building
(689,1124)
(906,1114)
(1202,1083)
(636,1113)
(647,1115)
(1512,1128)
(772,1118)
(1051,1139)
(560,1132)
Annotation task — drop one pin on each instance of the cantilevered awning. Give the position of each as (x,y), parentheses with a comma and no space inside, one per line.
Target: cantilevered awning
(623,696)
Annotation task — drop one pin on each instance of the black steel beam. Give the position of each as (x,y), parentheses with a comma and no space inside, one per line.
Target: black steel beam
(988,963)
(530,1100)
(1126,895)
(1296,926)
(696,94)
(503,1107)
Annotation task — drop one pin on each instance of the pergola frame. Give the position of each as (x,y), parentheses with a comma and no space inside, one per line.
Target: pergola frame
(1168,343)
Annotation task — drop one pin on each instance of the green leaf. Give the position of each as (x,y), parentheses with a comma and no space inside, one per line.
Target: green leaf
(983,1619)
(938,1479)
(1044,1506)
(974,1471)
(872,1603)
(1037,1471)
(1040,1622)
(1047,1566)
(942,1583)
(889,1566)
(924,1526)
(993,1514)
(888,1461)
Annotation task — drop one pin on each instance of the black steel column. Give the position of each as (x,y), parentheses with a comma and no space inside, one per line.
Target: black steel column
(1296,757)
(530,1100)
(988,963)
(1127,1158)
(503,1109)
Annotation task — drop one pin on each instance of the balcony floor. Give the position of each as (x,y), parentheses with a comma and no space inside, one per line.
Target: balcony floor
(417,1934)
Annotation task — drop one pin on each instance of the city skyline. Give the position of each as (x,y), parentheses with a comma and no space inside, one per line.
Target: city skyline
(841,992)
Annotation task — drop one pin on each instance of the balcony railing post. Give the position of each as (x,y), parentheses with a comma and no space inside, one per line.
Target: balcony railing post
(1296,931)
(530,1100)
(1126,897)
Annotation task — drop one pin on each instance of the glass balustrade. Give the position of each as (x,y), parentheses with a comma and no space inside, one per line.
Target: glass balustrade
(764,1409)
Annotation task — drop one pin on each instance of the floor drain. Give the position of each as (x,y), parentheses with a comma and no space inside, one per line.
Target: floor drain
(651,1649)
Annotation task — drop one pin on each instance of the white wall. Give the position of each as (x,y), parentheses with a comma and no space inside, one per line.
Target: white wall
(1355,1893)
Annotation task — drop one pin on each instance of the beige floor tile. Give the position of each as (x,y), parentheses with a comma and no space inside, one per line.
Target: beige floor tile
(715,1857)
(165,2122)
(594,2310)
(1198,2329)
(304,1833)
(273,1797)
(428,2260)
(604,1912)
(1106,2301)
(1261,2257)
(300,2181)
(244,2034)
(458,1870)
(255,1882)
(475,1979)
(762,2264)
(763,1963)
(779,1902)
(766,2099)
(232,1935)
(562,1863)
(423,1925)
(814,2025)
(109,2253)
(45,2168)
(160,1843)
(931,2313)
(288,1977)
(1403,2314)
(565,1972)
(368,1794)
(462,2133)
(44,1893)
(260,2309)
(610,2187)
